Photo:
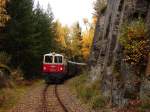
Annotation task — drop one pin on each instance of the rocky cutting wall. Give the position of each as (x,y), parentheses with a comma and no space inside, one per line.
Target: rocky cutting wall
(106,52)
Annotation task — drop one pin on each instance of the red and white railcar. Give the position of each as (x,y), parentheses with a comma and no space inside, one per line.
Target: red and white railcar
(54,66)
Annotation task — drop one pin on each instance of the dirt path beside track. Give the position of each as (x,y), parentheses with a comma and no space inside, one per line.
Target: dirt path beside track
(49,98)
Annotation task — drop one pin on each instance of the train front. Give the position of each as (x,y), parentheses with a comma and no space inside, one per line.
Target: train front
(54,67)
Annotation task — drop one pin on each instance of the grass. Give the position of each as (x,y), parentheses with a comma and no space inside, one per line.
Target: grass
(9,97)
(88,92)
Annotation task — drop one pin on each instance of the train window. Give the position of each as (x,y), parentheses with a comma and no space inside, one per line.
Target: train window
(58,59)
(48,59)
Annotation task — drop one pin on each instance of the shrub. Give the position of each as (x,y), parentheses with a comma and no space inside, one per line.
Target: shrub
(86,93)
(10,97)
(100,6)
(4,58)
(98,101)
(6,95)
(134,39)
(145,105)
(89,92)
(17,75)
(5,70)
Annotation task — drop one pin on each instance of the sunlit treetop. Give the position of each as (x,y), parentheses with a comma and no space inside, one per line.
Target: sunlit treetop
(3,13)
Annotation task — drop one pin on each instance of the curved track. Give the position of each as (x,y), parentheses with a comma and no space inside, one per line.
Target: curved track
(56,95)
(59,100)
(44,100)
(49,98)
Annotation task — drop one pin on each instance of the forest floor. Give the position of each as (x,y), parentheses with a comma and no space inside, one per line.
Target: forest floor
(11,96)
(49,98)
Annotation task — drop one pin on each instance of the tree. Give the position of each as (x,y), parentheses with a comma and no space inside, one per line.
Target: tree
(87,38)
(76,39)
(19,32)
(29,34)
(62,37)
(100,7)
(43,33)
(3,20)
(3,13)
(42,38)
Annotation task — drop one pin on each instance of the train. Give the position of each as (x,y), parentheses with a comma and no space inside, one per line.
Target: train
(56,67)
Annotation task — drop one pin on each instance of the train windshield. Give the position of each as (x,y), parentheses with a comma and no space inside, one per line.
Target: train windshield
(58,59)
(48,59)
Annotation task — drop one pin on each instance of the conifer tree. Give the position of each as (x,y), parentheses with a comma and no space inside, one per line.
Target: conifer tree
(19,32)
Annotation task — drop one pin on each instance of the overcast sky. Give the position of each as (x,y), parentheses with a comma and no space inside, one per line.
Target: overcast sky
(69,11)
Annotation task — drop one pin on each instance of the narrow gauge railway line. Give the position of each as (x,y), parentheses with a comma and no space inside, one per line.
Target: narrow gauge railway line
(49,98)
(44,100)
(60,100)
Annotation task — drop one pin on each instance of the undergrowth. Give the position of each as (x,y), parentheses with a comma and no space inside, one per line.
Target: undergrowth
(10,97)
(145,105)
(12,84)
(88,92)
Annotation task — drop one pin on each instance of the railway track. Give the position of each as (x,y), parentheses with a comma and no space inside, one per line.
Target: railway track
(44,100)
(60,101)
(45,106)
(49,98)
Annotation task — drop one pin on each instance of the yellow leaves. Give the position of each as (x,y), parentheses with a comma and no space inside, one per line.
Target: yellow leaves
(87,42)
(3,14)
(85,53)
(75,42)
(62,34)
(135,42)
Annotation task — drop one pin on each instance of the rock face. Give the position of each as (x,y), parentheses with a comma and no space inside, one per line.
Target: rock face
(106,52)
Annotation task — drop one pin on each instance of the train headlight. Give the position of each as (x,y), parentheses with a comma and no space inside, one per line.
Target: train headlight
(61,68)
(44,68)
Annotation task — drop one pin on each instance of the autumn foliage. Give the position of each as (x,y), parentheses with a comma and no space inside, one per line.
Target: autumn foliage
(3,13)
(73,41)
(87,43)
(134,39)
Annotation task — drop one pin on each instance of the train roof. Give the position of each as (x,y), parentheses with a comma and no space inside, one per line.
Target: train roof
(50,54)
